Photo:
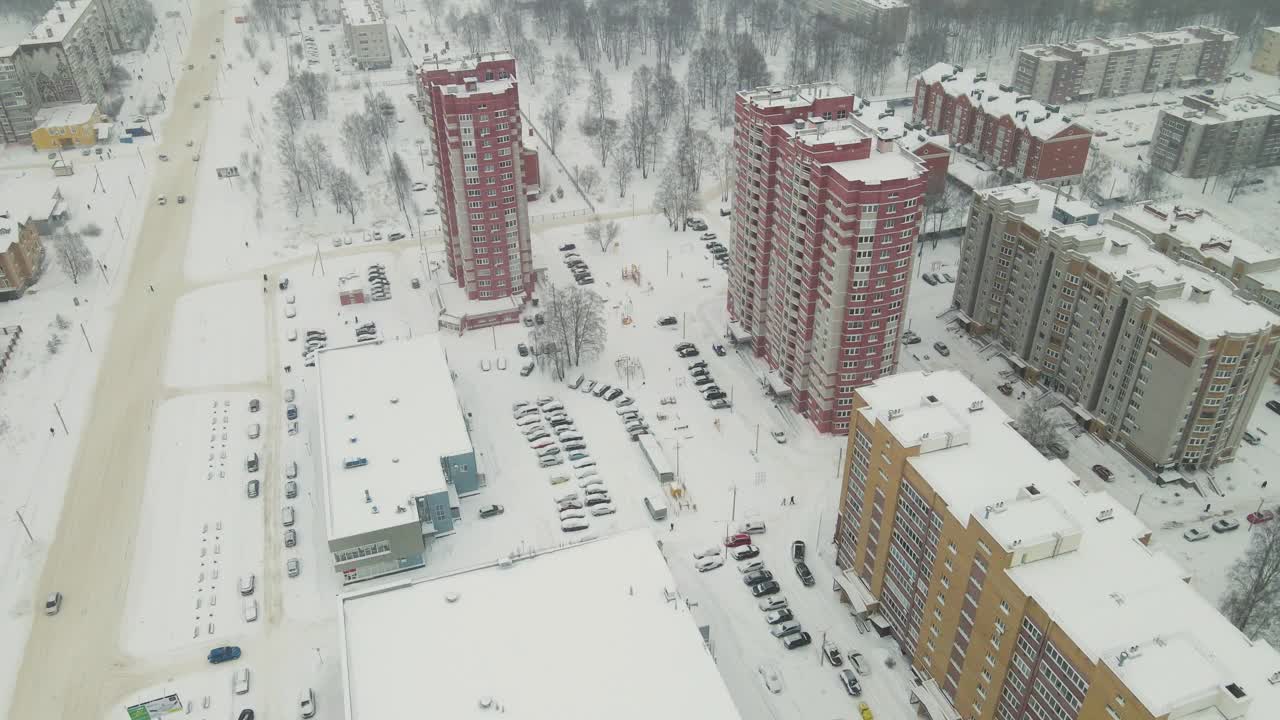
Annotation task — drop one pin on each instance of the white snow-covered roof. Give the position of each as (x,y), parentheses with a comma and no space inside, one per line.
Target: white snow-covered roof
(1100,584)
(65,115)
(361,12)
(596,630)
(57,22)
(1205,110)
(1136,41)
(1197,229)
(393,404)
(987,95)
(792,95)
(885,163)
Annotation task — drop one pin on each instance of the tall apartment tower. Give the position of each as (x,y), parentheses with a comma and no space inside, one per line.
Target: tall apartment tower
(472,107)
(67,55)
(17,108)
(1152,352)
(1139,63)
(1013,592)
(826,215)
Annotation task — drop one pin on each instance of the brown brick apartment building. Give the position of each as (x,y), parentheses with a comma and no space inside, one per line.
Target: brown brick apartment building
(1014,593)
(21,255)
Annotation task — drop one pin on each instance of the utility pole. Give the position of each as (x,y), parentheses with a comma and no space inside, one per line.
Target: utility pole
(140,159)
(24,526)
(61,420)
(757,450)
(733,505)
(132,189)
(82,332)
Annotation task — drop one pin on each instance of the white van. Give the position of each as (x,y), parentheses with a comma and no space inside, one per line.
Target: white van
(291,470)
(250,609)
(656,506)
(240,681)
(286,515)
(307,703)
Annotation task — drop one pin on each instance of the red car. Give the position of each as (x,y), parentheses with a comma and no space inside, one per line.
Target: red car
(1257,518)
(737,540)
(1103,472)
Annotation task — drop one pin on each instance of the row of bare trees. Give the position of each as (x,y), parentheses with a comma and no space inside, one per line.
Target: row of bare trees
(575,329)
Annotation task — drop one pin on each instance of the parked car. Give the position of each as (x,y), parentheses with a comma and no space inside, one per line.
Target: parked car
(1225,525)
(800,639)
(766,588)
(1194,535)
(718,349)
(489,511)
(776,602)
(737,540)
(745,552)
(53,603)
(785,628)
(797,551)
(757,577)
(771,677)
(667,321)
(224,654)
(779,437)
(1251,438)
(752,527)
(833,654)
(750,566)
(928,278)
(307,703)
(574,525)
(941,348)
(1259,517)
(1103,472)
(293,567)
(708,563)
(778,616)
(850,682)
(1274,406)
(805,575)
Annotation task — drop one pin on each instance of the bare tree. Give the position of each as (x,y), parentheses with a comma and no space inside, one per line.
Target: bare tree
(529,54)
(293,195)
(378,109)
(603,234)
(1036,424)
(622,172)
(553,123)
(313,90)
(401,183)
(586,177)
(74,256)
(575,321)
(1096,179)
(599,96)
(360,141)
(264,66)
(345,193)
(316,154)
(566,73)
(1252,598)
(287,108)
(291,159)
(676,198)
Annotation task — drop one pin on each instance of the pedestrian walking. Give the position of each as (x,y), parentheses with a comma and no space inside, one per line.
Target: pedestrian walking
(784,501)
(152,288)
(673,527)
(50,431)
(793,499)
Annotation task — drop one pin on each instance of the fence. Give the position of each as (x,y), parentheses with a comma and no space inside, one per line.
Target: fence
(8,341)
(572,180)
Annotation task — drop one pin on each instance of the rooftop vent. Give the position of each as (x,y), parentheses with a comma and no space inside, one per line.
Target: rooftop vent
(975,406)
(1200,294)
(1032,490)
(1236,691)
(799,124)
(1274,678)
(1119,247)
(1105,515)
(931,399)
(895,413)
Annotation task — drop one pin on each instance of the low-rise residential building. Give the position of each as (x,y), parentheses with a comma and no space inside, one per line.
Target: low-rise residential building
(21,255)
(364,26)
(1156,354)
(65,126)
(1014,593)
(1207,136)
(827,210)
(395,454)
(1139,63)
(1014,133)
(496,640)
(887,19)
(68,55)
(1266,59)
(17,107)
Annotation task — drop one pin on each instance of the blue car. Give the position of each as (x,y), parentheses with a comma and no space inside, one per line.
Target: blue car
(224,654)
(292,412)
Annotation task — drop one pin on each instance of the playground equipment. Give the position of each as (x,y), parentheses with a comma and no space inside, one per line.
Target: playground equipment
(632,273)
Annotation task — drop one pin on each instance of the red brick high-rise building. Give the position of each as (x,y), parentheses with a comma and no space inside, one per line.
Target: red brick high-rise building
(826,214)
(472,109)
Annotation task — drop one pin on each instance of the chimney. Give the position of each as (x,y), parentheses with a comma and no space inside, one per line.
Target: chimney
(61,17)
(1119,247)
(799,124)
(1200,294)
(48,32)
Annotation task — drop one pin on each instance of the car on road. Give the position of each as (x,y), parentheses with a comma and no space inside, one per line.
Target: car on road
(771,677)
(766,588)
(254,431)
(1194,535)
(800,639)
(290,537)
(833,653)
(773,603)
(251,488)
(293,567)
(752,527)
(182,199)
(779,437)
(224,654)
(778,616)
(797,551)
(803,572)
(942,348)
(850,682)
(291,412)
(737,540)
(1103,472)
(708,563)
(567,247)
(1225,525)
(240,681)
(307,703)
(254,405)
(162,200)
(53,603)
(489,511)
(247,584)
(1251,438)
(928,278)
(246,714)
(667,321)
(744,552)
(1274,406)
(1259,517)
(1058,450)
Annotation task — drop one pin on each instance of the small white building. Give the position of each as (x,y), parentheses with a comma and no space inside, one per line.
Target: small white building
(592,631)
(364,26)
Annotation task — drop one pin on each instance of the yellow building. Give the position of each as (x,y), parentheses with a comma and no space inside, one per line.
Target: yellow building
(1267,57)
(63,126)
(1013,592)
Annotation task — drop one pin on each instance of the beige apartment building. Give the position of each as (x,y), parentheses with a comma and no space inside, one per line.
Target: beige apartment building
(1014,593)
(1210,136)
(67,56)
(1139,63)
(887,19)
(365,28)
(1154,353)
(1266,59)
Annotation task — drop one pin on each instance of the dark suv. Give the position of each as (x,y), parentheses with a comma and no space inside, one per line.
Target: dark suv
(806,577)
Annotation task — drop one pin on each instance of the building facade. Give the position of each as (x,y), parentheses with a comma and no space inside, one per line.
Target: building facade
(1014,593)
(67,58)
(1266,59)
(1208,137)
(826,215)
(66,126)
(1014,133)
(364,26)
(1139,63)
(472,110)
(881,18)
(17,107)
(1153,353)
(21,256)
